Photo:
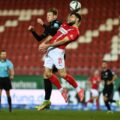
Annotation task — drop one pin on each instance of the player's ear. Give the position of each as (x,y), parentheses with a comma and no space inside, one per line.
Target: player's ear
(78,21)
(55,16)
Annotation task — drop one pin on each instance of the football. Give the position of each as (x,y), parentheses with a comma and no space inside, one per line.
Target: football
(75,5)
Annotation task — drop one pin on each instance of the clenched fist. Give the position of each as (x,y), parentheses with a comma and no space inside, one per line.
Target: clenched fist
(40,21)
(30,28)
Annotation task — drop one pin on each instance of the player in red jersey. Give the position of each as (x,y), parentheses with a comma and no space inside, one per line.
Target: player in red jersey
(94,85)
(67,33)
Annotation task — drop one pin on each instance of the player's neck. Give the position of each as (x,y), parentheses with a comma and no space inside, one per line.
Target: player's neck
(2,60)
(104,69)
(75,25)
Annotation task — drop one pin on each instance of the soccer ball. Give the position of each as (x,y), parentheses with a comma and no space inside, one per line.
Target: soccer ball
(75,5)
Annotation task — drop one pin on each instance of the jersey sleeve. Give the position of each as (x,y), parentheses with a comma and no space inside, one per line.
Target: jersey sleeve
(39,37)
(111,74)
(73,35)
(54,28)
(10,65)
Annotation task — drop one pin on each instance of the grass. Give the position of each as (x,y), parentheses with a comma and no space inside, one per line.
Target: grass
(57,115)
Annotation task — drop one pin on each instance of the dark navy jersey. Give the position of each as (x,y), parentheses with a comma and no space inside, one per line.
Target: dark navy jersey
(107,75)
(50,29)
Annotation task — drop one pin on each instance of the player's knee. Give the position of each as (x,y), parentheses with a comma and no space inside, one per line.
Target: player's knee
(105,99)
(62,74)
(47,75)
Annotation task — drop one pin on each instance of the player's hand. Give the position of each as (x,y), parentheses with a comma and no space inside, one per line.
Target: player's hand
(11,77)
(109,82)
(40,21)
(43,46)
(30,28)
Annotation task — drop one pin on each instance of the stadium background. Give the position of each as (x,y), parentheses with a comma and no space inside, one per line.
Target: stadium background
(99,39)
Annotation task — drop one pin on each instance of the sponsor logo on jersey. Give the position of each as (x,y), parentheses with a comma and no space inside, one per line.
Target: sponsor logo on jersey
(63,31)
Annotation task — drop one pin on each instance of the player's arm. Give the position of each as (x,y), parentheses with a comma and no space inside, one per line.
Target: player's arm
(11,73)
(45,41)
(39,37)
(114,78)
(71,36)
(11,70)
(101,79)
(89,83)
(58,43)
(61,42)
(36,36)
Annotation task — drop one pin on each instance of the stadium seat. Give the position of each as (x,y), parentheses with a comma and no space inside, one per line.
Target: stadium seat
(99,34)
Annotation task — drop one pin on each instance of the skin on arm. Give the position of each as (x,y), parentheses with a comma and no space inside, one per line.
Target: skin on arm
(55,44)
(40,21)
(45,42)
(11,73)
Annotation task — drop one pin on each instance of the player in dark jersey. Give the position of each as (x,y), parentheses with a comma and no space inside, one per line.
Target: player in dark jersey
(108,76)
(49,30)
(6,75)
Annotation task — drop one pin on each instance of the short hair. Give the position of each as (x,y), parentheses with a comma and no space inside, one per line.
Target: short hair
(104,61)
(2,51)
(53,10)
(77,15)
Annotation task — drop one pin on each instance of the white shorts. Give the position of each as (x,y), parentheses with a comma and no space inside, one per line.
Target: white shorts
(94,92)
(55,57)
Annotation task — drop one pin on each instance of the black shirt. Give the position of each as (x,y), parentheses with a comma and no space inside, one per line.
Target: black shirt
(107,75)
(50,29)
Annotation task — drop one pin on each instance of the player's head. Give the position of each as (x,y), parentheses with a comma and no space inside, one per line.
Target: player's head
(104,65)
(96,73)
(3,55)
(52,14)
(74,18)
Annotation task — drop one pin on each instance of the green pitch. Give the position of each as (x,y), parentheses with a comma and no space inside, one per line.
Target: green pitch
(57,115)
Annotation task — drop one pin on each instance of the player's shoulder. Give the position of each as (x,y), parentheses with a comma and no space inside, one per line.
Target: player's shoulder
(8,61)
(64,24)
(110,71)
(56,24)
(75,30)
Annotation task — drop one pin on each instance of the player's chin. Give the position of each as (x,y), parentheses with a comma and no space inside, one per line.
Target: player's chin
(49,20)
(68,22)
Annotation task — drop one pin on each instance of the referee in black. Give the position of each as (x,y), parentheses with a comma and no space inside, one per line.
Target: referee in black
(49,31)
(6,75)
(108,76)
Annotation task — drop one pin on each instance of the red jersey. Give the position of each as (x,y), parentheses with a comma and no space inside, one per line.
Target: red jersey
(65,30)
(95,80)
